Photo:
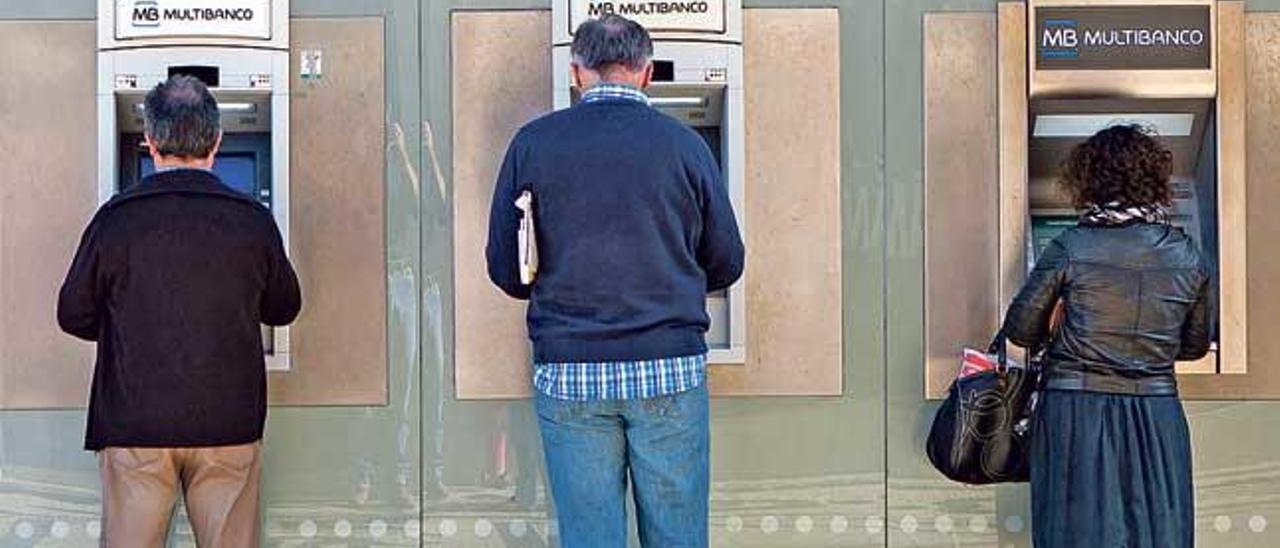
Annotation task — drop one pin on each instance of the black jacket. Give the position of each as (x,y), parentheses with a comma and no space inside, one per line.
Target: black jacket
(173,279)
(1137,298)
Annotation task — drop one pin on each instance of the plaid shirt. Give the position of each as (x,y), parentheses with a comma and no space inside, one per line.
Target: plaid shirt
(623,380)
(627,380)
(604,92)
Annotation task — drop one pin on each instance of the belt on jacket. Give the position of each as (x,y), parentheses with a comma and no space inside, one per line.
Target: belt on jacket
(1057,379)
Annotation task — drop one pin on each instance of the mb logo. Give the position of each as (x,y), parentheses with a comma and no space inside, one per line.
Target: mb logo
(146,13)
(1060,38)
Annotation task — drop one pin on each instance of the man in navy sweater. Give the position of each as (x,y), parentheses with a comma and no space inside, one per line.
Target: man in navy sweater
(634,227)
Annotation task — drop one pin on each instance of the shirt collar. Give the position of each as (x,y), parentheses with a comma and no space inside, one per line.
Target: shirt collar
(608,91)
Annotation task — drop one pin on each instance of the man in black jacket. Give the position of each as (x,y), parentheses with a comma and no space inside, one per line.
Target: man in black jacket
(173,279)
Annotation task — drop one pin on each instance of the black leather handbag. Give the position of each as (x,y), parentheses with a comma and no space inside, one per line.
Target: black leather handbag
(981,434)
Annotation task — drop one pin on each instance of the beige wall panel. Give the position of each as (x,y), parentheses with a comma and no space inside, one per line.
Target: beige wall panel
(1262,139)
(961,190)
(337,224)
(1011,50)
(491,356)
(794,304)
(793,197)
(1233,178)
(339,348)
(48,192)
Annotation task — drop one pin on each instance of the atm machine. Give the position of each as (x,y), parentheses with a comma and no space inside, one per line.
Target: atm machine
(697,79)
(1063,70)
(1093,65)
(240,50)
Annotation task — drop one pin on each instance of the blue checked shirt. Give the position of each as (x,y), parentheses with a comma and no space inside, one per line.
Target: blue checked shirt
(624,380)
(602,92)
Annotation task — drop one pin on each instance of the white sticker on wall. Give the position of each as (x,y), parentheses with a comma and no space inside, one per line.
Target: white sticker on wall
(312,63)
(655,15)
(193,18)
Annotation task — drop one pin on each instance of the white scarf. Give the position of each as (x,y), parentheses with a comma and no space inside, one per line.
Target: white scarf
(1114,214)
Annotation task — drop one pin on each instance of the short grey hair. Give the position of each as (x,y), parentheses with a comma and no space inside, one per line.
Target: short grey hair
(182,118)
(611,40)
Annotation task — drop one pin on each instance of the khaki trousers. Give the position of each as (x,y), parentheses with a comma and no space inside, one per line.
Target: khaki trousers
(219,484)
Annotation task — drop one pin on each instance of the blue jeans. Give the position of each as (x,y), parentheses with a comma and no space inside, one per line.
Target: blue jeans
(662,442)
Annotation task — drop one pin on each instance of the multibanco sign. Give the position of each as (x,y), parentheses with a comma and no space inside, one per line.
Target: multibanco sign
(1123,38)
(706,16)
(192,18)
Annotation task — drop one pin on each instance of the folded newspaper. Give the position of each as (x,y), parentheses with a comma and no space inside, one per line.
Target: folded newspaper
(526,239)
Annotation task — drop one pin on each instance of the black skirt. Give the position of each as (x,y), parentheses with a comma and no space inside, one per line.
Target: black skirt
(1111,471)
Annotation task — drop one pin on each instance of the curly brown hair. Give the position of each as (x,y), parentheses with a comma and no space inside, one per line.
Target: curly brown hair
(1122,164)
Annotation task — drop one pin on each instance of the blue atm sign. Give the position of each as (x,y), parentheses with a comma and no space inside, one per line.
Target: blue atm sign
(1124,38)
(1060,38)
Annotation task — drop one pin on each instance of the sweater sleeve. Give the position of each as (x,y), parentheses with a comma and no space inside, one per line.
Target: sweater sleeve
(80,299)
(282,299)
(502,251)
(721,253)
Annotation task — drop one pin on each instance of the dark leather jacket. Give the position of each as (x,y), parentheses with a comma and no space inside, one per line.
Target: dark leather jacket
(1137,298)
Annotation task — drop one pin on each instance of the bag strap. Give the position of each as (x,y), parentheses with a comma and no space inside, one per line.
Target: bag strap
(1000,349)
(999,346)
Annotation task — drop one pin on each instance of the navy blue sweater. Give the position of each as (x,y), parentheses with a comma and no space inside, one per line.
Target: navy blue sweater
(634,227)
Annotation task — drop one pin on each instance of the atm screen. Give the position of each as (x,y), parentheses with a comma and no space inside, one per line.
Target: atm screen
(1044,228)
(237,171)
(243,163)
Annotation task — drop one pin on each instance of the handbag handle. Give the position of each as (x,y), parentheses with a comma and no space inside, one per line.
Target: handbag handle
(1000,349)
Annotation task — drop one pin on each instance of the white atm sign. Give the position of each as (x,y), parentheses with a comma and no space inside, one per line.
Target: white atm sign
(191,18)
(655,15)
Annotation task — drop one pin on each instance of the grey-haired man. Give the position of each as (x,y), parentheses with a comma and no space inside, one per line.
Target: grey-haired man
(173,279)
(634,227)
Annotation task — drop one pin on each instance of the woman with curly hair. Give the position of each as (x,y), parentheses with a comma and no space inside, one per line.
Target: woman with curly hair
(1110,451)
